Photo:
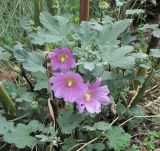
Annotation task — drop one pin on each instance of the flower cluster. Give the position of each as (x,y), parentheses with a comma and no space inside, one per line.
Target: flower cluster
(69,85)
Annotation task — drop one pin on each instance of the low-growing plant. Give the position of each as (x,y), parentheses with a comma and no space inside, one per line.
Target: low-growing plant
(149,142)
(77,93)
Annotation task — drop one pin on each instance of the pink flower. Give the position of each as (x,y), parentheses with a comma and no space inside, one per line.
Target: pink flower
(94,96)
(68,86)
(62,59)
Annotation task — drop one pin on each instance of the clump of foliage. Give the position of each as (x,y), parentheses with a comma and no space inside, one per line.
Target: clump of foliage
(101,48)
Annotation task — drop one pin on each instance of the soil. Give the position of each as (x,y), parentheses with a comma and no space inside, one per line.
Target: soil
(7,74)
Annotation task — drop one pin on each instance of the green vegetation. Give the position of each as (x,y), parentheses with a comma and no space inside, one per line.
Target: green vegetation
(119,45)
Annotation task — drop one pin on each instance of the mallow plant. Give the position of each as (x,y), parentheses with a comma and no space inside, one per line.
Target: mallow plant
(88,95)
(69,85)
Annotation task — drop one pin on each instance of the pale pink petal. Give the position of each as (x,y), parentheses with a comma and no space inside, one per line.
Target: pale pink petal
(57,64)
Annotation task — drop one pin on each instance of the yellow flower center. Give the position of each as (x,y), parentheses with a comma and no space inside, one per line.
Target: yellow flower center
(87,96)
(63,57)
(70,82)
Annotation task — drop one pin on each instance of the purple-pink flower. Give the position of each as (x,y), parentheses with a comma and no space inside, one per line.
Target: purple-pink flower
(68,86)
(62,60)
(94,96)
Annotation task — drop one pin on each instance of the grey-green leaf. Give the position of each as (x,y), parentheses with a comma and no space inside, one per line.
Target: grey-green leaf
(68,121)
(119,57)
(156,32)
(4,55)
(103,126)
(110,33)
(155,53)
(55,28)
(118,139)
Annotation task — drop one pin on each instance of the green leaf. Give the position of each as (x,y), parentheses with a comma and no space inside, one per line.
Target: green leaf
(134,148)
(150,26)
(107,20)
(86,34)
(103,126)
(156,32)
(118,139)
(118,57)
(89,66)
(119,3)
(5,125)
(20,135)
(120,108)
(24,96)
(106,75)
(146,66)
(136,111)
(34,62)
(24,135)
(68,144)
(110,32)
(31,61)
(134,11)
(4,55)
(69,121)
(41,81)
(47,138)
(55,28)
(20,53)
(89,128)
(95,25)
(19,94)
(127,38)
(155,53)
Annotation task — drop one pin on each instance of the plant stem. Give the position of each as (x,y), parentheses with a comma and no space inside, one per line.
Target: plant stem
(24,75)
(49,73)
(143,88)
(6,101)
(141,72)
(38,8)
(53,7)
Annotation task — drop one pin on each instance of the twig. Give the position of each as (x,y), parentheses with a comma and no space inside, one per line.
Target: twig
(129,105)
(149,104)
(86,144)
(75,146)
(51,112)
(24,75)
(151,89)
(3,145)
(139,134)
(115,120)
(147,116)
(20,117)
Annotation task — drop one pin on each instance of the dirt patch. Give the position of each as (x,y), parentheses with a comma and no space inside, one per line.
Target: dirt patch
(7,73)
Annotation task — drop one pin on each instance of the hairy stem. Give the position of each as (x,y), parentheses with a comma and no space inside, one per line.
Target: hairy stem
(6,101)
(38,8)
(143,88)
(141,72)
(49,73)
